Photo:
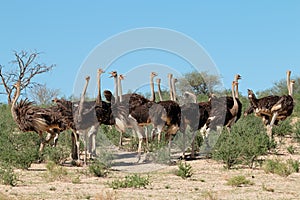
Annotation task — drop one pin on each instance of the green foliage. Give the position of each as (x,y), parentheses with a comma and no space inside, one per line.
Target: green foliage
(110,132)
(16,148)
(7,175)
(291,149)
(283,128)
(184,170)
(130,181)
(297,131)
(198,83)
(280,167)
(246,141)
(98,169)
(56,154)
(55,172)
(238,181)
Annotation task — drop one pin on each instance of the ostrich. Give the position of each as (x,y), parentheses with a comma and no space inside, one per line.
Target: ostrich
(158,80)
(284,107)
(99,104)
(195,116)
(78,116)
(273,109)
(120,110)
(161,114)
(225,111)
(261,106)
(31,118)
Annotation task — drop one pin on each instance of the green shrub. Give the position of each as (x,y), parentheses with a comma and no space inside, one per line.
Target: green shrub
(131,181)
(228,149)
(297,132)
(291,149)
(98,169)
(281,168)
(56,154)
(7,175)
(55,172)
(16,148)
(238,181)
(283,128)
(246,141)
(184,170)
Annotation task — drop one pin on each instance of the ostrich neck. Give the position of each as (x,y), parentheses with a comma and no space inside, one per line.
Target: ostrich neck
(116,89)
(234,99)
(288,81)
(80,108)
(120,89)
(237,90)
(13,105)
(173,90)
(291,92)
(152,89)
(170,87)
(159,91)
(99,99)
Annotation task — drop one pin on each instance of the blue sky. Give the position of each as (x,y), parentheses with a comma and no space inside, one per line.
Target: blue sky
(257,39)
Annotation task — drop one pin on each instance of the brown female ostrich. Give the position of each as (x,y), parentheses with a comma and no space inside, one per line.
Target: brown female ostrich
(273,109)
(120,110)
(31,118)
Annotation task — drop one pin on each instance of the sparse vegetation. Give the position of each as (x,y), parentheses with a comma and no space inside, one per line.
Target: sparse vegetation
(7,175)
(238,181)
(106,195)
(98,169)
(291,149)
(130,181)
(184,170)
(268,189)
(280,167)
(55,172)
(246,141)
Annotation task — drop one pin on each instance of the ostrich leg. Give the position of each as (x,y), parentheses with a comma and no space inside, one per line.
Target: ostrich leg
(92,140)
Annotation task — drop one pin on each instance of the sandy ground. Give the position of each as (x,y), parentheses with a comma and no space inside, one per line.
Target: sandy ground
(209,181)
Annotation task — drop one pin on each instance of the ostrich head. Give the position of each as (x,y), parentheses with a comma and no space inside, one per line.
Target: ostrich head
(114,74)
(158,80)
(251,95)
(237,77)
(153,74)
(108,96)
(100,71)
(121,77)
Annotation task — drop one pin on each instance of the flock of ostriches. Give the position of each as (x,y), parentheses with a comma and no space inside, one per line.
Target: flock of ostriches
(136,112)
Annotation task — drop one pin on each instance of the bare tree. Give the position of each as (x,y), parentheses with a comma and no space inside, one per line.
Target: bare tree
(43,95)
(25,68)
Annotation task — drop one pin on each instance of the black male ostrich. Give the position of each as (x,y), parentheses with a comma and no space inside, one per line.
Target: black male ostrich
(272,109)
(225,111)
